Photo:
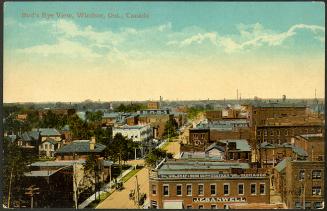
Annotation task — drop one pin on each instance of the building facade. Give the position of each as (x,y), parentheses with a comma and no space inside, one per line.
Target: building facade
(206,185)
(137,133)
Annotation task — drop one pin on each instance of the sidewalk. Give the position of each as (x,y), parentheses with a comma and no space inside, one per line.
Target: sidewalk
(104,189)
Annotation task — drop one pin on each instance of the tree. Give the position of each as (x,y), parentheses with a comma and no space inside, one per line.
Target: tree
(91,170)
(14,166)
(156,155)
(170,128)
(94,116)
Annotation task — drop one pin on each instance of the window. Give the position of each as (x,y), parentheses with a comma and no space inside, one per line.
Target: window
(178,190)
(154,204)
(166,190)
(301,174)
(213,206)
(316,191)
(201,206)
(265,132)
(45,146)
(200,189)
(213,189)
(253,189)
(262,188)
(189,207)
(271,132)
(259,133)
(226,189)
(316,174)
(278,132)
(189,190)
(298,204)
(317,204)
(286,132)
(154,189)
(241,189)
(307,205)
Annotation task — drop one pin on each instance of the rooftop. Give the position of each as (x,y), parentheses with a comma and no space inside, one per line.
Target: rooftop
(241,144)
(281,165)
(58,163)
(80,146)
(313,137)
(47,131)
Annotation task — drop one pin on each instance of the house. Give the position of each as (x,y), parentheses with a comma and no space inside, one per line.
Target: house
(48,147)
(80,149)
(48,133)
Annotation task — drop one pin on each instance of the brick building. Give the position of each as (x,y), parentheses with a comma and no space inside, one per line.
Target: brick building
(313,144)
(213,115)
(301,183)
(153,105)
(206,184)
(259,112)
(277,133)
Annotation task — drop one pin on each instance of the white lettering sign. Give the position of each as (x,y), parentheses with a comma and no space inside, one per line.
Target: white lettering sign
(220,199)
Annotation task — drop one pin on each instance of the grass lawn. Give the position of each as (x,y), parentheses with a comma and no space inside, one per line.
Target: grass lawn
(130,174)
(103,196)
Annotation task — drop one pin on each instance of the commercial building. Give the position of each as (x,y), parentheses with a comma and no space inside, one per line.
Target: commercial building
(301,183)
(206,184)
(259,112)
(153,105)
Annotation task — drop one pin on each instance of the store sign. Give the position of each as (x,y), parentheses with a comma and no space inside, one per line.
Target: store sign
(214,176)
(219,199)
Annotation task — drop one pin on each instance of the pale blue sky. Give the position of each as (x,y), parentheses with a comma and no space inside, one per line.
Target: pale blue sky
(223,46)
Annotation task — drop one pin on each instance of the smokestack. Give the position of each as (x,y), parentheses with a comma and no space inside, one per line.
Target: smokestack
(92,143)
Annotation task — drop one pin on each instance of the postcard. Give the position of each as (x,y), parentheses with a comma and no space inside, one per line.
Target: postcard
(163,105)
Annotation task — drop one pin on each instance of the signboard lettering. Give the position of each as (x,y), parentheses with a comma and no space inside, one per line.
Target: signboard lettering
(219,199)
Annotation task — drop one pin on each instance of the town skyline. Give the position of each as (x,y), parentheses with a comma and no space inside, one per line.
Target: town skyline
(172,52)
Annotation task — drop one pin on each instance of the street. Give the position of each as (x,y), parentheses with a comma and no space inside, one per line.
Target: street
(120,199)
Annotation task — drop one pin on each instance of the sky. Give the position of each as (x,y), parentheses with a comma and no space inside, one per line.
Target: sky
(178,50)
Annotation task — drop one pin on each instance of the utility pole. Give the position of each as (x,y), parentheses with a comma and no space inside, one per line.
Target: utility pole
(31,191)
(137,197)
(75,186)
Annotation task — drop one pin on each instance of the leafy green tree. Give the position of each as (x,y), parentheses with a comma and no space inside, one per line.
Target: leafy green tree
(155,156)
(93,116)
(79,128)
(170,128)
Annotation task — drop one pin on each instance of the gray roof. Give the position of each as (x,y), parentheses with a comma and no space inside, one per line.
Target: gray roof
(43,173)
(111,115)
(215,146)
(80,146)
(299,151)
(281,165)
(47,131)
(278,104)
(200,165)
(30,136)
(58,163)
(241,144)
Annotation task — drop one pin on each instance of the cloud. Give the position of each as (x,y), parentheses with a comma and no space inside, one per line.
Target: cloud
(63,47)
(250,36)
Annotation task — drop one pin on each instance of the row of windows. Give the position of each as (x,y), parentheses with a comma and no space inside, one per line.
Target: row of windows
(213,189)
(308,204)
(286,132)
(315,174)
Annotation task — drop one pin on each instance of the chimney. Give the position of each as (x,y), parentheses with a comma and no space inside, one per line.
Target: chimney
(92,143)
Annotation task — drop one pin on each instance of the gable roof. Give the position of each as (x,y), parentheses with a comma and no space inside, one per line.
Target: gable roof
(51,141)
(47,131)
(80,146)
(30,136)
(241,144)
(215,146)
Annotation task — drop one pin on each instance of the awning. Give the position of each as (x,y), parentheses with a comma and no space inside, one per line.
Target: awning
(173,204)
